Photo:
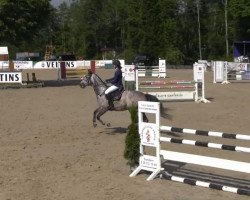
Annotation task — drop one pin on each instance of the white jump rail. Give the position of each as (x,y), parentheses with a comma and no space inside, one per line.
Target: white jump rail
(150,137)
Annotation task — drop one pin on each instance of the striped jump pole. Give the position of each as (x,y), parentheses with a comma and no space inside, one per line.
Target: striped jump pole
(150,137)
(169,87)
(205,133)
(166,82)
(211,185)
(206,144)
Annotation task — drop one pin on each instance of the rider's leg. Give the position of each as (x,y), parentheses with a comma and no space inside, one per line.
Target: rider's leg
(110,102)
(108,96)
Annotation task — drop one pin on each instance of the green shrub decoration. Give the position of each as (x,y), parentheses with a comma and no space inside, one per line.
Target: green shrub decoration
(132,142)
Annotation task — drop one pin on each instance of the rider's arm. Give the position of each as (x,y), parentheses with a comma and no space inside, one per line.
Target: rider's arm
(115,79)
(108,80)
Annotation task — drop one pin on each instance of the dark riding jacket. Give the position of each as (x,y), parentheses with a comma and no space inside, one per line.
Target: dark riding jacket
(117,79)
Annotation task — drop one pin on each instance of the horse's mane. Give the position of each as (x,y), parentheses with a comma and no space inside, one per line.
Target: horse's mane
(98,84)
(98,80)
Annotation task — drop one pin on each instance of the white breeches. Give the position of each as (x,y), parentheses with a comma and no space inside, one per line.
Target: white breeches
(111,89)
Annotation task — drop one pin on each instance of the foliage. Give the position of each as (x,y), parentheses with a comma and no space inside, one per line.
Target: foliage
(21,22)
(240,13)
(162,28)
(132,142)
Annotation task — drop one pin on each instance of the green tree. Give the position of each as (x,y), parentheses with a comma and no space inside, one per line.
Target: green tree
(162,28)
(171,45)
(21,21)
(240,13)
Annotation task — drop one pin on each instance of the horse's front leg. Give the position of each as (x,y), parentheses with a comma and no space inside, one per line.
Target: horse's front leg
(97,115)
(94,117)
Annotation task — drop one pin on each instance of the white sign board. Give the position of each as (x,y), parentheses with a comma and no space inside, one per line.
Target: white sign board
(129,72)
(162,68)
(149,162)
(10,77)
(148,107)
(199,72)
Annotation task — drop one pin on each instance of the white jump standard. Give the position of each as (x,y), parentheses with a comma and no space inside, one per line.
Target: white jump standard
(150,137)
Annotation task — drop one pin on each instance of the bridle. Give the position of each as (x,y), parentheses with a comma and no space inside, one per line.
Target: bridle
(97,83)
(85,81)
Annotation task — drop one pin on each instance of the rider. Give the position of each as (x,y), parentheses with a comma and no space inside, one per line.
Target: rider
(116,82)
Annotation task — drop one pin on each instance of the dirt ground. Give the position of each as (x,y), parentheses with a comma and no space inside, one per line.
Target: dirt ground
(50,150)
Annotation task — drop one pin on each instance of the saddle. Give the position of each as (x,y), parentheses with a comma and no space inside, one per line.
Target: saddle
(117,94)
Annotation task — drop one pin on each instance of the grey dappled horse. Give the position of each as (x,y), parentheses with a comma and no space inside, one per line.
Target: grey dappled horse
(127,100)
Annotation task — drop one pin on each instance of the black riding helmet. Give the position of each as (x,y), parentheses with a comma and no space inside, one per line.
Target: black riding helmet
(116,63)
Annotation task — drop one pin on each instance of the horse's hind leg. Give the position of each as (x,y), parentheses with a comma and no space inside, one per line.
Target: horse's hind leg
(100,113)
(145,119)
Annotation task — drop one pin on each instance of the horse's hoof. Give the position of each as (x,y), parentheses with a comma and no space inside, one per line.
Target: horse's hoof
(108,124)
(94,125)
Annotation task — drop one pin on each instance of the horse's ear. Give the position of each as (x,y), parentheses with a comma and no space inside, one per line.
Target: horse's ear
(90,72)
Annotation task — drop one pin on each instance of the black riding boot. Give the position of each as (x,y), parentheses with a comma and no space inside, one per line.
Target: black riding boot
(111,104)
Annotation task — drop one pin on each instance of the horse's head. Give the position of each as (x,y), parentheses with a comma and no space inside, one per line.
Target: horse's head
(86,80)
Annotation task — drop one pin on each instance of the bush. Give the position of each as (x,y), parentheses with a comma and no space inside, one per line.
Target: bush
(132,142)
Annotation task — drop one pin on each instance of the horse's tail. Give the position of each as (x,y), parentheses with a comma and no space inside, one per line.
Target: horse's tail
(163,110)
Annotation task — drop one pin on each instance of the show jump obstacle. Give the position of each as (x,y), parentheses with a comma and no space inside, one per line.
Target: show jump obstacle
(225,72)
(153,71)
(177,90)
(150,137)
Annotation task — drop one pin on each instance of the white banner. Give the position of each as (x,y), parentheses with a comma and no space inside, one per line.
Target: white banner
(23,64)
(54,64)
(85,64)
(10,77)
(101,63)
(237,66)
(171,96)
